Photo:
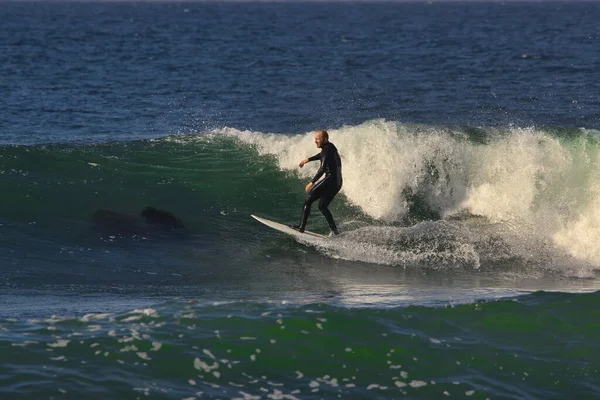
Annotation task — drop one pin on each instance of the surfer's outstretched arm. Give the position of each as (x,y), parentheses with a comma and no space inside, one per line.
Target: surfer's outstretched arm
(309,159)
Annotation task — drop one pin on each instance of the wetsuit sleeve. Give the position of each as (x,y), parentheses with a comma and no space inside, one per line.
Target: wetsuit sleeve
(324,158)
(315,157)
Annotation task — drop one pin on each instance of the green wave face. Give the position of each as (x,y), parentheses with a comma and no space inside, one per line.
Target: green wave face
(51,183)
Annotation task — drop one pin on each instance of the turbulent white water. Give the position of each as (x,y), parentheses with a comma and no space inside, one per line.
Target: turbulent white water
(543,190)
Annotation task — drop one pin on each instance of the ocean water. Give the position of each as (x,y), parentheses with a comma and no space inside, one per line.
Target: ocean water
(468,266)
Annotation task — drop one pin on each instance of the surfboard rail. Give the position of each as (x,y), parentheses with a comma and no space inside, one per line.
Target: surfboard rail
(287,229)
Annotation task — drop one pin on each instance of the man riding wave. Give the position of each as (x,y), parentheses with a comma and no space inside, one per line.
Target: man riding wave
(325,189)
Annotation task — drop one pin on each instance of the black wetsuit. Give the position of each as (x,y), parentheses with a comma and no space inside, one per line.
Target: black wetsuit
(327,188)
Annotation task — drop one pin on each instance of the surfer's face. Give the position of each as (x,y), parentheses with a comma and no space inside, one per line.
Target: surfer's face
(319,140)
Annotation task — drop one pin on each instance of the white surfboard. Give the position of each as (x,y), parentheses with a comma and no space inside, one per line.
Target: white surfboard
(287,230)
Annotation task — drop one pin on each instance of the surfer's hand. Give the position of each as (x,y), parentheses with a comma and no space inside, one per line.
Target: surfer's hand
(302,163)
(308,186)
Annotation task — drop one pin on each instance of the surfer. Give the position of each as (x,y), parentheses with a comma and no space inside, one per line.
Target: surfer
(326,189)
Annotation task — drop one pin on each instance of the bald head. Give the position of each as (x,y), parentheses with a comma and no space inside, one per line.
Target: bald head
(321,137)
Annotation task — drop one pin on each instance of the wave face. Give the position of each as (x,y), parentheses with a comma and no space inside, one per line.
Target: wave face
(431,196)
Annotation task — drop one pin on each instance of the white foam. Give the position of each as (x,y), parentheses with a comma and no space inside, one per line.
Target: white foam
(59,343)
(201,365)
(582,235)
(156,346)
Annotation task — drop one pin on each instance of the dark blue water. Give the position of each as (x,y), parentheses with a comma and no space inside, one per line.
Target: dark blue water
(93,72)
(468,261)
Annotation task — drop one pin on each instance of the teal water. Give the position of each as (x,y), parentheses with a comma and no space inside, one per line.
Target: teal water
(542,345)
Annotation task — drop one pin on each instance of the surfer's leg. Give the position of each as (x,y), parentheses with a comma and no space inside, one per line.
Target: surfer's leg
(323,203)
(311,197)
